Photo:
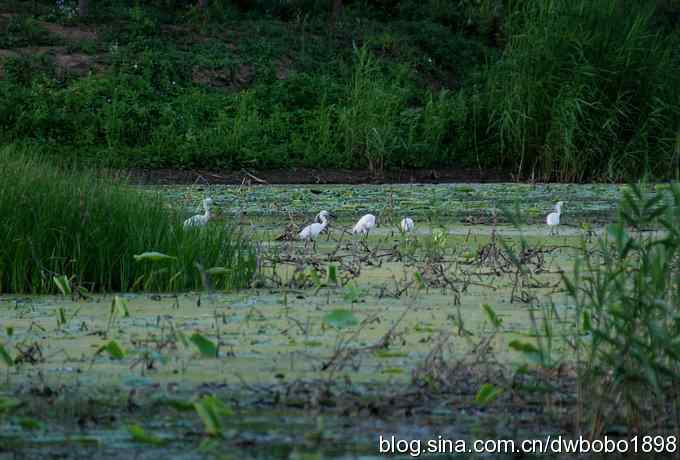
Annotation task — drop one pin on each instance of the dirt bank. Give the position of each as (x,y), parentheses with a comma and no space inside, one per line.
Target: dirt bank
(312,176)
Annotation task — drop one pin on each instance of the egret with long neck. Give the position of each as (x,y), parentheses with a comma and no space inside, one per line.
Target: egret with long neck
(553,219)
(406,224)
(200,220)
(310,232)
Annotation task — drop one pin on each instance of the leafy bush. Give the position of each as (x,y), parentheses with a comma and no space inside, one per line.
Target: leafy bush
(22,30)
(58,222)
(555,90)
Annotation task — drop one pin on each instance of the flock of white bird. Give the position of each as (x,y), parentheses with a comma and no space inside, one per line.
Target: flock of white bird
(362,227)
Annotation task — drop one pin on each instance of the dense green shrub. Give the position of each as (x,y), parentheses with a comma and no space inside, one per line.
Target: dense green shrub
(555,90)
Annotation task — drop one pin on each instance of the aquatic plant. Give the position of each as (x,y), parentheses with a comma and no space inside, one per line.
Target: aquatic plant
(627,305)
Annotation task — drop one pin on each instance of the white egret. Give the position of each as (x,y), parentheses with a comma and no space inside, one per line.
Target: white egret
(553,219)
(310,232)
(200,220)
(319,218)
(364,225)
(406,224)
(322,215)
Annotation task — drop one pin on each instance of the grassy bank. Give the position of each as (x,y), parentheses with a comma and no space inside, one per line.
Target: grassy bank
(70,223)
(555,90)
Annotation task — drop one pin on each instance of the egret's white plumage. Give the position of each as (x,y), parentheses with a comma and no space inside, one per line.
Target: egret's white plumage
(364,225)
(553,219)
(311,231)
(406,224)
(200,220)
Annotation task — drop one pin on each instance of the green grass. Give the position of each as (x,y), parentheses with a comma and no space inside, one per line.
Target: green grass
(627,313)
(66,222)
(555,90)
(586,89)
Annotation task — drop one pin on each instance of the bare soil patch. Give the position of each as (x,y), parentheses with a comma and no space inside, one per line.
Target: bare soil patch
(77,63)
(73,63)
(239,78)
(71,34)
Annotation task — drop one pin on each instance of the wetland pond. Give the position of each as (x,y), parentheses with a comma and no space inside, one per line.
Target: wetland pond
(333,345)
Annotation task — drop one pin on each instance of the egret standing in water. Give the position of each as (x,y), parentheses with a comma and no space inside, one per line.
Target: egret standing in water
(553,219)
(200,220)
(406,224)
(364,225)
(310,232)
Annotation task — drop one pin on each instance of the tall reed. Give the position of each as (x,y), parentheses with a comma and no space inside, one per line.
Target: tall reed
(585,89)
(57,221)
(626,296)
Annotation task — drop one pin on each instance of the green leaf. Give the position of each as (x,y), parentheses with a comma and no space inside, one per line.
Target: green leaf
(30,423)
(527,349)
(393,370)
(61,316)
(63,284)
(9,404)
(204,345)
(419,279)
(495,320)
(211,423)
(341,318)
(211,410)
(487,394)
(390,354)
(153,256)
(332,277)
(114,350)
(140,435)
(177,404)
(586,323)
(218,271)
(5,357)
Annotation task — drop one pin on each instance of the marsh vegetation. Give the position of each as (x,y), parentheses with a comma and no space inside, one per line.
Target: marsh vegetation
(65,222)
(124,333)
(474,326)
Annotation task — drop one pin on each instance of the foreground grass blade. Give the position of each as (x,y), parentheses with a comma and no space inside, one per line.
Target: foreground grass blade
(5,357)
(211,411)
